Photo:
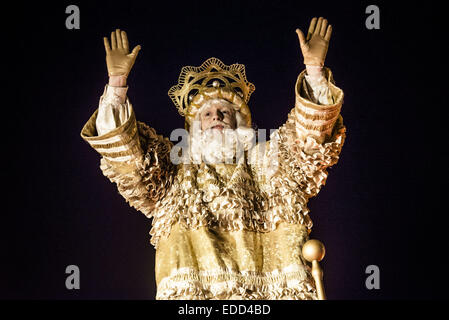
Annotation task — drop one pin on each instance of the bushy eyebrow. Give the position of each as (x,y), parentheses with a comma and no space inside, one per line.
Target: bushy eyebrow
(219,107)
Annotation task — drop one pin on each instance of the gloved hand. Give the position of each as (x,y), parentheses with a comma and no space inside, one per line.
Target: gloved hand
(314,47)
(118,59)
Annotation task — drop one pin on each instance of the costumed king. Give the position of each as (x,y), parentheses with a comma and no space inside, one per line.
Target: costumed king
(226,224)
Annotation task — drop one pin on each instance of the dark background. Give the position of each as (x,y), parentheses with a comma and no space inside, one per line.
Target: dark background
(382,203)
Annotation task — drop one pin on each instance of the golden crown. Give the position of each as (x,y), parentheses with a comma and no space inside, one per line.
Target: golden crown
(213,79)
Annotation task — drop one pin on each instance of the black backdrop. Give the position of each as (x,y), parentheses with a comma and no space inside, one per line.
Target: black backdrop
(381,204)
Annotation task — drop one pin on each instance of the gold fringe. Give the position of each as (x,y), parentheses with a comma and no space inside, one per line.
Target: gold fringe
(200,197)
(144,180)
(229,285)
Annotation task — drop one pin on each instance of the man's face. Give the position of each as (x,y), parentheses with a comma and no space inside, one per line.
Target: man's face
(218,116)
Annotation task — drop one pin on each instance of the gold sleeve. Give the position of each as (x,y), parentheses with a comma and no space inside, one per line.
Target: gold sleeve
(313,119)
(135,158)
(312,138)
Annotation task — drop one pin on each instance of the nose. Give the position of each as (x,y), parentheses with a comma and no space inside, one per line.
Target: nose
(218,115)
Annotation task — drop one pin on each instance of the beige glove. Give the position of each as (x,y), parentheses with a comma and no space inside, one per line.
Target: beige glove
(314,47)
(118,59)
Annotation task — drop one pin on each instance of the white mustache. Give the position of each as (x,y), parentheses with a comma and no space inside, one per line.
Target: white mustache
(224,125)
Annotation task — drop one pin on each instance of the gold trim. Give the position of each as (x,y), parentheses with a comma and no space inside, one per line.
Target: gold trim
(90,128)
(193,81)
(132,151)
(242,285)
(319,116)
(247,277)
(126,141)
(336,92)
(320,128)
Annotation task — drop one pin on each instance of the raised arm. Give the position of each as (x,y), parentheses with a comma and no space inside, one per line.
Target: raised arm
(133,155)
(318,100)
(114,112)
(311,139)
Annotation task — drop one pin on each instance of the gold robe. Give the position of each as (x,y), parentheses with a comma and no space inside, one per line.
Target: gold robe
(229,231)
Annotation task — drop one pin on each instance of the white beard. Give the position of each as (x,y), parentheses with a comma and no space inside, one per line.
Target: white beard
(215,146)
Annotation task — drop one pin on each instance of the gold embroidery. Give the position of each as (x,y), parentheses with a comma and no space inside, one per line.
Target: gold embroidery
(89,131)
(318,115)
(310,126)
(135,150)
(337,93)
(127,139)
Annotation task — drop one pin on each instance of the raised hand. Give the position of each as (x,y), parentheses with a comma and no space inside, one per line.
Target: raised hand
(314,47)
(118,59)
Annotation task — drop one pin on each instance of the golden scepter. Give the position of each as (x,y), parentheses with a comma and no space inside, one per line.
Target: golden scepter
(314,251)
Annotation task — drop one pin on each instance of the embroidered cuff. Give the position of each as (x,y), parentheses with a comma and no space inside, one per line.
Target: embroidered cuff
(311,118)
